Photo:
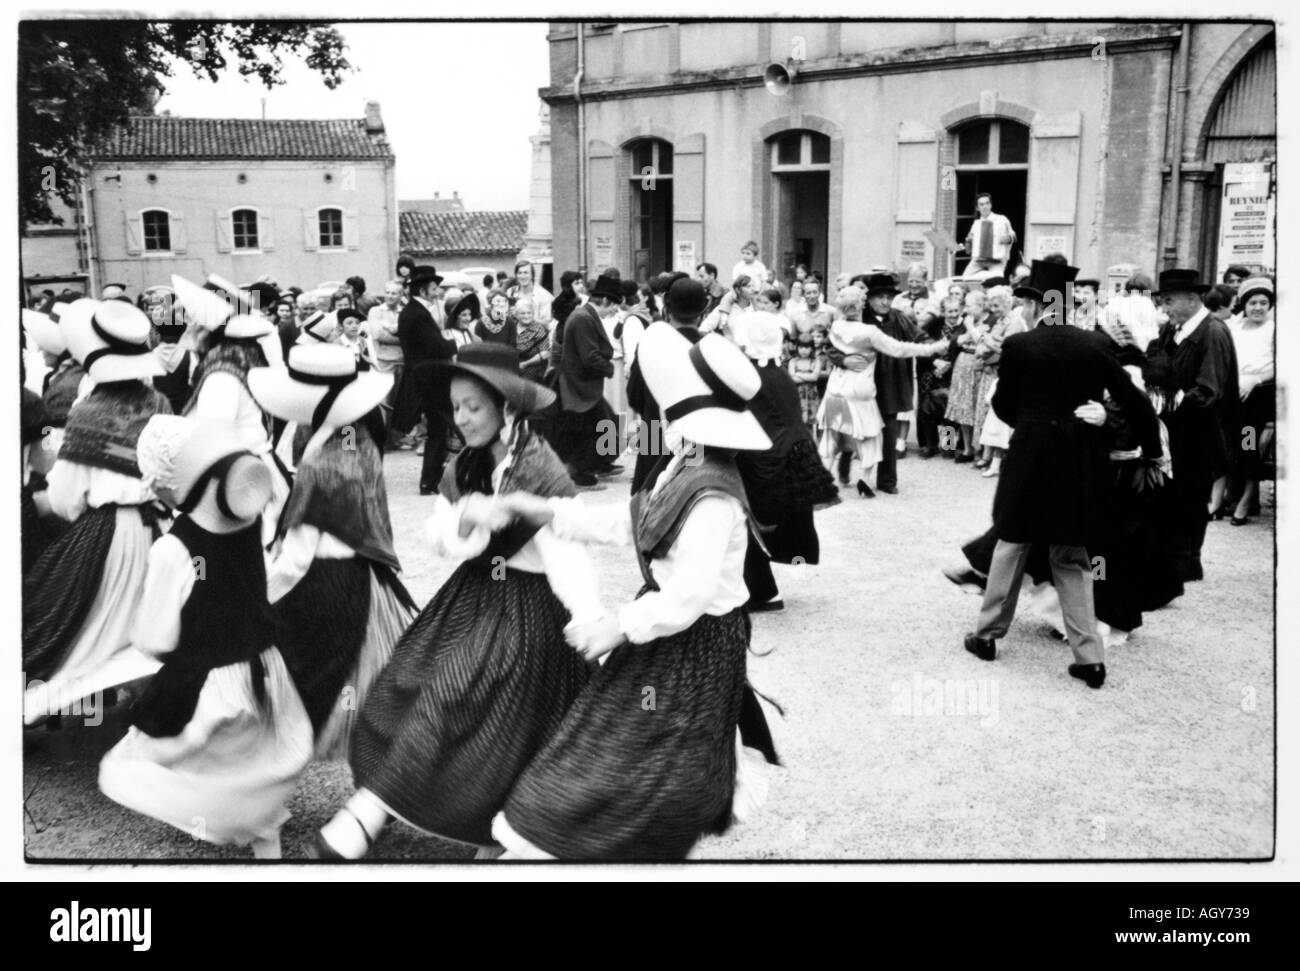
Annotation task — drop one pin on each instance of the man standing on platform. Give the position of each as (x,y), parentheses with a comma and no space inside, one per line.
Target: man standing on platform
(989,241)
(1047,492)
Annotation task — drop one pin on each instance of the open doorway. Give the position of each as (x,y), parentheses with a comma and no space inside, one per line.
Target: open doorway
(650,182)
(802,217)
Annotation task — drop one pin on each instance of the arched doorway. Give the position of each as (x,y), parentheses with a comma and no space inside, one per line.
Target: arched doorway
(800,167)
(1241,143)
(992,156)
(650,188)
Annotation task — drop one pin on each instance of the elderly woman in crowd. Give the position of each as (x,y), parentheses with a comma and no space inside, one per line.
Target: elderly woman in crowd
(993,434)
(963,393)
(1253,336)
(532,338)
(526,286)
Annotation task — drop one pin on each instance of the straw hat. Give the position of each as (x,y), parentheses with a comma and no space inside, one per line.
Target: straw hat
(178,455)
(204,307)
(316,329)
(44,331)
(110,339)
(702,389)
(764,336)
(496,364)
(321,386)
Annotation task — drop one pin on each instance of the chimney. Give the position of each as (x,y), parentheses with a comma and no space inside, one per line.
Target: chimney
(374,122)
(437,194)
(456,195)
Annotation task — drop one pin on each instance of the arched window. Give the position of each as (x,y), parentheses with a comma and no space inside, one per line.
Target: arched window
(331,228)
(244,229)
(800,165)
(650,182)
(156,230)
(992,156)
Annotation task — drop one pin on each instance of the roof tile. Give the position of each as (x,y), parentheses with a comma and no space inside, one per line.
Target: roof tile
(165,137)
(449,233)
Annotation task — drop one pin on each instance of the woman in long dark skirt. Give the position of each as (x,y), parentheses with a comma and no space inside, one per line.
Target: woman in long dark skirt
(645,762)
(481,680)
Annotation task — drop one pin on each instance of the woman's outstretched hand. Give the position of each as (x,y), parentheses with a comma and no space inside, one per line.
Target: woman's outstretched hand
(595,638)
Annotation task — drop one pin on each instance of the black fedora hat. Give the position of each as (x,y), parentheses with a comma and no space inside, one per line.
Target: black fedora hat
(609,287)
(1180,281)
(495,364)
(422,275)
(1046,277)
(881,282)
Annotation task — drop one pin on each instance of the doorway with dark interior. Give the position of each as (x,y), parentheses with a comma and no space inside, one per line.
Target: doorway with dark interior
(802,202)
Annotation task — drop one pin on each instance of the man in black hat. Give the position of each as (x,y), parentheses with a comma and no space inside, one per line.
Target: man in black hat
(1047,492)
(893,374)
(1194,362)
(423,342)
(587,360)
(684,308)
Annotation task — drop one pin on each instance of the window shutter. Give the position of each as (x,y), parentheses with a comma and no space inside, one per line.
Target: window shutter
(310,230)
(917,179)
(225,232)
(133,233)
(1053,181)
(179,240)
(688,198)
(266,231)
(351,234)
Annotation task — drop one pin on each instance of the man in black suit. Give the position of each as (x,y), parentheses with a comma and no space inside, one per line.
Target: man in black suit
(586,361)
(423,342)
(1047,492)
(893,374)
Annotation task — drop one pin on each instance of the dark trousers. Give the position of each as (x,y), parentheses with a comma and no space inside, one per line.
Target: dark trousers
(435,449)
(927,432)
(887,471)
(1186,519)
(758,573)
(581,434)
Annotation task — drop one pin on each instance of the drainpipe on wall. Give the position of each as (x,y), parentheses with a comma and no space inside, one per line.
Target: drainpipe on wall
(90,223)
(1180,125)
(582,156)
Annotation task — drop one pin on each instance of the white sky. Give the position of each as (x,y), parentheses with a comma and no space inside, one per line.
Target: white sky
(459,102)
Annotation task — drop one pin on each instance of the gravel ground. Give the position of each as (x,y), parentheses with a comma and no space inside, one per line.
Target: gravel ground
(1172,759)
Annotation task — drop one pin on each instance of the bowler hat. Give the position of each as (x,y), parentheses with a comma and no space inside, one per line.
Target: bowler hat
(1046,277)
(422,275)
(881,282)
(609,287)
(686,298)
(1180,281)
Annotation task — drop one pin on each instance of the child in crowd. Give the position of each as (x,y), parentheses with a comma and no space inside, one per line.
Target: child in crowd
(354,337)
(806,372)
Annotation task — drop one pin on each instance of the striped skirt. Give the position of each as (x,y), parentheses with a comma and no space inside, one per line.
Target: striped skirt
(645,762)
(478,684)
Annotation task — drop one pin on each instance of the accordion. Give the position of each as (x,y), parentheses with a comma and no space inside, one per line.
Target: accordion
(984,239)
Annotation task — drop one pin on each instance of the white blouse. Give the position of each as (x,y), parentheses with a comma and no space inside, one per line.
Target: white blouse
(1255,353)
(73,487)
(566,565)
(703,572)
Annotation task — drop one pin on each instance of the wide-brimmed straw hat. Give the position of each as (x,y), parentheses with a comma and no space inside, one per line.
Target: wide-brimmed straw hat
(204,307)
(317,329)
(702,389)
(178,455)
(43,329)
(110,339)
(320,386)
(495,364)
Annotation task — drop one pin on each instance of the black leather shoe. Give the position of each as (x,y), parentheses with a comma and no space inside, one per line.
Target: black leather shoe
(766,607)
(966,577)
(985,650)
(865,491)
(583,479)
(426,489)
(1239,520)
(888,490)
(1093,675)
(929,452)
(961,458)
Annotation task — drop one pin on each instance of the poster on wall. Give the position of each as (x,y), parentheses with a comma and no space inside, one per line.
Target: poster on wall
(1246,217)
(911,251)
(1049,244)
(685,262)
(603,247)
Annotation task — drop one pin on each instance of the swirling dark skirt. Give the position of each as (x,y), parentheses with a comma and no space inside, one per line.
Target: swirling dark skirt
(335,629)
(645,761)
(475,688)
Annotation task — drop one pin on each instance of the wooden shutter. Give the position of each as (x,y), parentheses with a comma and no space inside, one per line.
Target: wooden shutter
(132,233)
(603,245)
(311,230)
(180,242)
(225,232)
(688,198)
(1054,144)
(916,181)
(351,232)
(266,231)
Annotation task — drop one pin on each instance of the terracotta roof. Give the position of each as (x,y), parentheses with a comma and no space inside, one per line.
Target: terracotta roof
(163,137)
(447,233)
